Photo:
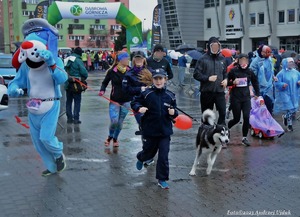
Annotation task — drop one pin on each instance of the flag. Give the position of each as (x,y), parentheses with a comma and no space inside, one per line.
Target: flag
(156,26)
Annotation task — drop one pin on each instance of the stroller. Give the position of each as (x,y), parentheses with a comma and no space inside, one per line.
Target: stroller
(262,123)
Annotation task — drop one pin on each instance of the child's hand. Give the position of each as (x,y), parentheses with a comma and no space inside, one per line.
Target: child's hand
(171,111)
(143,110)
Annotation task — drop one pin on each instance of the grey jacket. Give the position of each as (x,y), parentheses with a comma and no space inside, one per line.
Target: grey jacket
(208,65)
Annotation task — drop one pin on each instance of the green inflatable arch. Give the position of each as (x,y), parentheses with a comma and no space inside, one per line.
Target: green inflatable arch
(78,10)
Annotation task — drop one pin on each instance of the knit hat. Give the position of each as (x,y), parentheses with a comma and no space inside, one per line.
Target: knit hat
(158,47)
(122,55)
(78,51)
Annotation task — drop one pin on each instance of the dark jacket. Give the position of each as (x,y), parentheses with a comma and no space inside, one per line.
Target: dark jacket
(242,93)
(156,121)
(131,83)
(208,65)
(116,77)
(163,64)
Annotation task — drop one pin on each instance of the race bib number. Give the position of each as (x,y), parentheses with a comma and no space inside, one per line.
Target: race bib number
(242,82)
(34,104)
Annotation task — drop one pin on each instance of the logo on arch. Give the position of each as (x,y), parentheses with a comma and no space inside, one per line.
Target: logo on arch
(76,10)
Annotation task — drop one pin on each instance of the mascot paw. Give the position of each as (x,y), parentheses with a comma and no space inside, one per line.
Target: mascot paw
(16,92)
(47,56)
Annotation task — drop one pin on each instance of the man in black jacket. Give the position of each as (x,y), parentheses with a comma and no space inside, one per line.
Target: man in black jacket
(211,72)
(158,61)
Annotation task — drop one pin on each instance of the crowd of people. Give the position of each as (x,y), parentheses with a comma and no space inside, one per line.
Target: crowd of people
(141,87)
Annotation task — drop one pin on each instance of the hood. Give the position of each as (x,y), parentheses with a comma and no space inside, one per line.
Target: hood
(213,40)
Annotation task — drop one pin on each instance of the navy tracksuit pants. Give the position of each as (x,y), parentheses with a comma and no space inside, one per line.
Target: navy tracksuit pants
(152,145)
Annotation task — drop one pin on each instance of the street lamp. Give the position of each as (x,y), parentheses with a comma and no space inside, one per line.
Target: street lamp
(144,25)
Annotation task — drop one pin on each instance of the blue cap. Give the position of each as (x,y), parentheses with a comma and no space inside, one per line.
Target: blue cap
(159,73)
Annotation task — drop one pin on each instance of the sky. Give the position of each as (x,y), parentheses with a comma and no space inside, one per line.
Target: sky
(143,9)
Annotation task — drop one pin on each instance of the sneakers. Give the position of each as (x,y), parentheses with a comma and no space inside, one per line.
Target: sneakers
(77,122)
(246,142)
(60,163)
(107,141)
(284,120)
(46,173)
(163,184)
(115,143)
(139,165)
(70,121)
(148,162)
(290,128)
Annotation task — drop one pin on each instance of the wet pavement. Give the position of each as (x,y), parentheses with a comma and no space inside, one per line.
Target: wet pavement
(261,180)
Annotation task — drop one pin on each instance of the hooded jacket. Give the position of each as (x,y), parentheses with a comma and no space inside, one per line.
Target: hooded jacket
(211,64)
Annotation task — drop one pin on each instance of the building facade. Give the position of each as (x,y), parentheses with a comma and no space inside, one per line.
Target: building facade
(239,24)
(182,22)
(86,33)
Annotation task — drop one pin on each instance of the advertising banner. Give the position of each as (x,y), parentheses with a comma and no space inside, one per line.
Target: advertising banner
(233,27)
(156,26)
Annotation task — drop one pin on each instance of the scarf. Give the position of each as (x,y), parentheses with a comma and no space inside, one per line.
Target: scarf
(122,68)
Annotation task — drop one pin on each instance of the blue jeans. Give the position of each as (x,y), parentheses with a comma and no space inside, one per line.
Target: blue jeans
(77,103)
(117,115)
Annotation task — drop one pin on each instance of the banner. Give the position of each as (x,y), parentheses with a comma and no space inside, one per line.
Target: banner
(77,10)
(41,10)
(156,25)
(149,38)
(233,28)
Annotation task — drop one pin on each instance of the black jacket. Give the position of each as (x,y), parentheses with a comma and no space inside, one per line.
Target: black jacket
(163,64)
(208,65)
(117,94)
(156,121)
(242,92)
(131,83)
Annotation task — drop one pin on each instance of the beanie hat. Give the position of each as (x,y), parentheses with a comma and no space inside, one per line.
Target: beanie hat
(122,55)
(78,51)
(158,47)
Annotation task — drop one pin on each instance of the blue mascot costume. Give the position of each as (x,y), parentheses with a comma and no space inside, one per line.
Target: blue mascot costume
(41,72)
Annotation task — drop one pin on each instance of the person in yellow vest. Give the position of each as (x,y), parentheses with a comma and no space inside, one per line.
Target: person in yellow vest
(84,59)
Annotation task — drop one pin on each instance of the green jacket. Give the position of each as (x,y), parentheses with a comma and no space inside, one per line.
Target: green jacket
(75,68)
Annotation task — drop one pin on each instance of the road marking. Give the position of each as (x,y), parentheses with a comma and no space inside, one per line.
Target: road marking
(294,177)
(200,168)
(94,160)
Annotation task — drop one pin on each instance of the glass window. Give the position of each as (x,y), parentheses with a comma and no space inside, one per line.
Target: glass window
(211,3)
(252,19)
(280,16)
(291,15)
(261,18)
(208,23)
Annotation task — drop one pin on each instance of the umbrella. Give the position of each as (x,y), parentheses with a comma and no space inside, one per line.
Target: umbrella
(174,55)
(288,53)
(194,54)
(184,48)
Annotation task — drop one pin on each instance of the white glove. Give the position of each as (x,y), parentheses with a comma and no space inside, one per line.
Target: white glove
(20,91)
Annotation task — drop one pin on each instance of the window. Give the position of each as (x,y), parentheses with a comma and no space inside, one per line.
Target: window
(98,27)
(280,16)
(261,18)
(76,37)
(60,37)
(31,1)
(252,19)
(230,2)
(28,13)
(291,15)
(211,3)
(113,38)
(59,26)
(78,26)
(116,27)
(208,23)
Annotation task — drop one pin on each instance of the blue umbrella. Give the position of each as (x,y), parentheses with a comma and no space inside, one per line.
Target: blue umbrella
(194,54)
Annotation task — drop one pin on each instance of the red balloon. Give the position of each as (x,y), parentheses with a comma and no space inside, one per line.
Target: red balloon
(183,122)
(226,52)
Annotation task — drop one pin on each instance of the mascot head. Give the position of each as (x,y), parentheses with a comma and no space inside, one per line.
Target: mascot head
(38,35)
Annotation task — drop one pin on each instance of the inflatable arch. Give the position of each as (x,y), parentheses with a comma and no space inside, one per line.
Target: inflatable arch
(81,10)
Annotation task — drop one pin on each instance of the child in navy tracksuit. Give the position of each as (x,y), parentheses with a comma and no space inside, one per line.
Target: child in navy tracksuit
(157,104)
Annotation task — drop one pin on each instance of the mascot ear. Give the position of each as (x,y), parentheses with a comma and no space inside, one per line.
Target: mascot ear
(15,62)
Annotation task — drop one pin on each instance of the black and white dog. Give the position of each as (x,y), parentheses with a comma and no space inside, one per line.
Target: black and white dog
(211,137)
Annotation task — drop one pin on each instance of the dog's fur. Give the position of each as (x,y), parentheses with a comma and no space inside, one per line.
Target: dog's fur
(212,137)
